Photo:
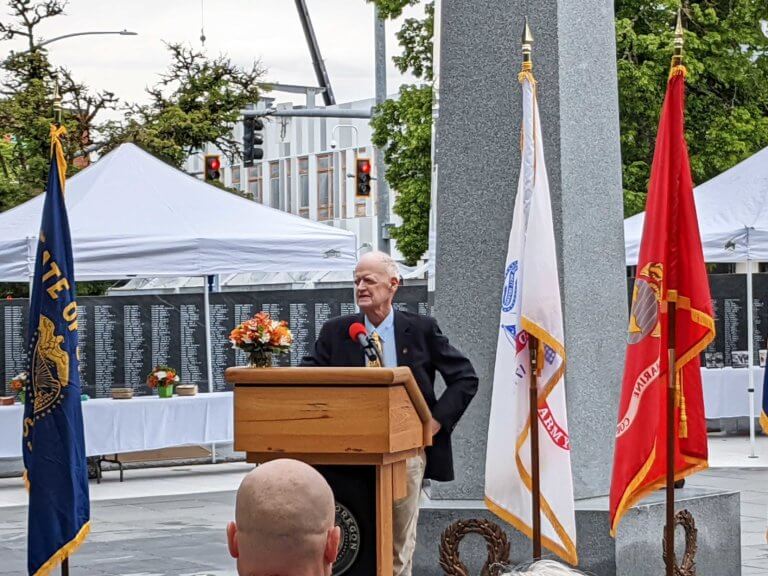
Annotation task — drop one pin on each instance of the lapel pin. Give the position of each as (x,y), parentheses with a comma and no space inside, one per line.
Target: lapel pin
(405,350)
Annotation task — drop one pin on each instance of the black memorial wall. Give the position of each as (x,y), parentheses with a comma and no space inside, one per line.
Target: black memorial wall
(729,298)
(123,337)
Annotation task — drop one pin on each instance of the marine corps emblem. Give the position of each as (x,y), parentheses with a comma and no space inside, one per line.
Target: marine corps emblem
(646,297)
(50,367)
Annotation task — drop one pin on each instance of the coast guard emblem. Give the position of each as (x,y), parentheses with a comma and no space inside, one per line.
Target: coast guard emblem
(509,295)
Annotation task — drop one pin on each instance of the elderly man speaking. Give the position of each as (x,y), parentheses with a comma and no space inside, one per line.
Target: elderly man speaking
(415,341)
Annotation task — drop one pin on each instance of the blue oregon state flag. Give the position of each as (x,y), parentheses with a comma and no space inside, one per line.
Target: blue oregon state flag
(54,447)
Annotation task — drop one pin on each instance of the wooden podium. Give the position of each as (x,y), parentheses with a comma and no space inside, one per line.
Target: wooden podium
(334,418)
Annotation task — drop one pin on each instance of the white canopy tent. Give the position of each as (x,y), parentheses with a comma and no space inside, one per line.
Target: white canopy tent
(132,215)
(732,211)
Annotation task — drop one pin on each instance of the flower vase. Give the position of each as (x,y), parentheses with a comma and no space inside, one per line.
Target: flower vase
(260,359)
(165,391)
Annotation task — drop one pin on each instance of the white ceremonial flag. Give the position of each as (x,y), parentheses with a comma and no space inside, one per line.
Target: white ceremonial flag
(531,305)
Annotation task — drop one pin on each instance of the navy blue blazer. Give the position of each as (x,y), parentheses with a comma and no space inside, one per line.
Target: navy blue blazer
(425,350)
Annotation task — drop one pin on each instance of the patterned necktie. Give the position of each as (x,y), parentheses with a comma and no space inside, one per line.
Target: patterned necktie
(377,344)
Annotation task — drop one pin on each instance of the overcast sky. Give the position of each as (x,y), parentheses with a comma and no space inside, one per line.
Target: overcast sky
(269,30)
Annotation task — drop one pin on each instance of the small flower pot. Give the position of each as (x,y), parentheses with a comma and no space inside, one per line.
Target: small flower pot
(165,391)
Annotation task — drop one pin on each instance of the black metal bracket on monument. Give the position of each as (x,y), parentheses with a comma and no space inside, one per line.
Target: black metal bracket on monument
(688,565)
(496,543)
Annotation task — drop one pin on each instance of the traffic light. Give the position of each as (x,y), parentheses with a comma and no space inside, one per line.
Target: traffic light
(252,139)
(362,177)
(212,166)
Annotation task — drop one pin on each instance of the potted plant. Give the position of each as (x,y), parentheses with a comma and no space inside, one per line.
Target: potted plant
(260,338)
(164,378)
(19,386)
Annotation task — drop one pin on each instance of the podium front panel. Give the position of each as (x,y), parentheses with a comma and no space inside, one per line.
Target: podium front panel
(354,488)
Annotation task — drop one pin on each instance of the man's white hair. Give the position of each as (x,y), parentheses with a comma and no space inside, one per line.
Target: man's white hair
(545,568)
(389,263)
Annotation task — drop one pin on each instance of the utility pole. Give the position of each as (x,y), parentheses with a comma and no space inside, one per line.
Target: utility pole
(382,189)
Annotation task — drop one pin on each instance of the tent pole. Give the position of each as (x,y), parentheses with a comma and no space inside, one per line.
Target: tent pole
(750,353)
(209,360)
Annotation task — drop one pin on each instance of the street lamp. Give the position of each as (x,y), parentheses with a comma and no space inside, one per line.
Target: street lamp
(55,39)
(333,131)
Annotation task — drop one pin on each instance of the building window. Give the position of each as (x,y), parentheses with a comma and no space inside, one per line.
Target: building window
(254,182)
(236,176)
(288,187)
(324,187)
(343,185)
(274,184)
(304,187)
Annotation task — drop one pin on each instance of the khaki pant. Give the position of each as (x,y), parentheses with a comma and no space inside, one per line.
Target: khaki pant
(405,516)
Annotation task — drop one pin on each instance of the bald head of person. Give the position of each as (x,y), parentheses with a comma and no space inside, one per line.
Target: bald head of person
(284,522)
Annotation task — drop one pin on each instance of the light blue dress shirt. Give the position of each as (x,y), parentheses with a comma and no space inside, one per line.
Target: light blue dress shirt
(386,332)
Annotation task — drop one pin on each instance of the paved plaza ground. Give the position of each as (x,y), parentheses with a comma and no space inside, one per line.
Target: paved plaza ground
(170,521)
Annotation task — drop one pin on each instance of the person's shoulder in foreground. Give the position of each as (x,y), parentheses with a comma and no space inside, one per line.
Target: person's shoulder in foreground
(284,522)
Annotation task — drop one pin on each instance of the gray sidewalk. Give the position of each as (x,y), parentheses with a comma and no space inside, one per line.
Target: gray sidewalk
(171,521)
(139,537)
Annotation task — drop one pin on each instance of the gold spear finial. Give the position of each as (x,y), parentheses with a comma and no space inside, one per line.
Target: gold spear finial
(677,58)
(527,46)
(56,101)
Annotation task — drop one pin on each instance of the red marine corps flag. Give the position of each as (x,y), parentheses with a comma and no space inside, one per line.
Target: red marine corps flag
(671,308)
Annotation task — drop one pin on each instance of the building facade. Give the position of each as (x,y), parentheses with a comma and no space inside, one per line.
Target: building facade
(308,170)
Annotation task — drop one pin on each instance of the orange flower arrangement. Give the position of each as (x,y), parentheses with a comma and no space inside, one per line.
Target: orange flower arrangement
(260,337)
(19,382)
(18,385)
(162,376)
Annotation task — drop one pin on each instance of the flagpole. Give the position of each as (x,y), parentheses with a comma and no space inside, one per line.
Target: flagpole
(669,532)
(57,120)
(533,390)
(533,395)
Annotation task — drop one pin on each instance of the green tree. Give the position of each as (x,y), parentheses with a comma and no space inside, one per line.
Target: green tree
(26,106)
(726,54)
(197,101)
(402,128)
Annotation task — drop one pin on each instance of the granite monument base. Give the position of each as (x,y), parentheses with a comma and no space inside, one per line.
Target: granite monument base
(635,552)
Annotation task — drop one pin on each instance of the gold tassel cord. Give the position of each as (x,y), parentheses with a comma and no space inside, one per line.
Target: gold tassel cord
(680,403)
(679,70)
(527,74)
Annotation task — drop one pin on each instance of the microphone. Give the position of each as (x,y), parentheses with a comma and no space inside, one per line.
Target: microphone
(359,334)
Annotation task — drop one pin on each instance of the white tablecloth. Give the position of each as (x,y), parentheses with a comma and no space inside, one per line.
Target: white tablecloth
(725,391)
(142,423)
